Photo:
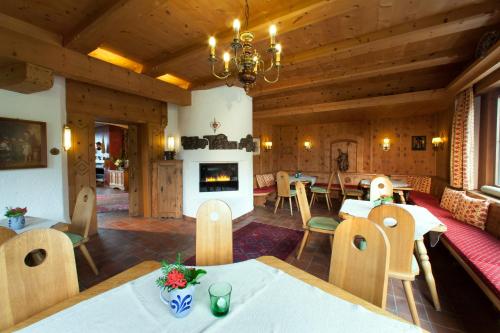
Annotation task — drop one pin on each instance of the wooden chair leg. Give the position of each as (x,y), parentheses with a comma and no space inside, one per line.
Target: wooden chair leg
(303,244)
(290,202)
(313,196)
(282,203)
(327,202)
(331,241)
(297,203)
(411,302)
(276,205)
(87,256)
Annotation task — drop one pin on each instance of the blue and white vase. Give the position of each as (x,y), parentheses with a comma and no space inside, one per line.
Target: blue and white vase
(17,222)
(179,301)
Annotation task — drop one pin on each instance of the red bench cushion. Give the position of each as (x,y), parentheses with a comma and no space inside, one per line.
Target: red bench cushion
(264,190)
(478,249)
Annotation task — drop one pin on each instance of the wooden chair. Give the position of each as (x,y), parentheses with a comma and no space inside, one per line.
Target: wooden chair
(78,230)
(324,225)
(316,190)
(399,226)
(348,192)
(284,191)
(361,271)
(28,290)
(6,234)
(214,234)
(380,186)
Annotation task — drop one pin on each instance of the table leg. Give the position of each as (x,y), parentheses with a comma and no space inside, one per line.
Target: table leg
(426,266)
(402,197)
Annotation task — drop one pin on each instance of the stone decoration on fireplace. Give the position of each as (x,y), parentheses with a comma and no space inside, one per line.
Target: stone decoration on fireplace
(217,142)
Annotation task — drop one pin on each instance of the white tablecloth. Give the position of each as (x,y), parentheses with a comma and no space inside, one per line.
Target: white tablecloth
(395,183)
(263,299)
(32,223)
(424,220)
(310,179)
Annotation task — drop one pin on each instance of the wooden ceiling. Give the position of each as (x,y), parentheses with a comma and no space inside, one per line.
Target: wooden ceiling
(333,50)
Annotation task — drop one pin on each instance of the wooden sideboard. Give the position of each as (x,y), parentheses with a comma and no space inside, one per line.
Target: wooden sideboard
(167,189)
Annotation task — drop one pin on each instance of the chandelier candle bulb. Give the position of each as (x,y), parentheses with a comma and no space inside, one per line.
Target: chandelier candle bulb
(278,53)
(236,29)
(272,34)
(226,58)
(212,42)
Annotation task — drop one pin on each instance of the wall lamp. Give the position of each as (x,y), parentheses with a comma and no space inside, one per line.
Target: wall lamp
(307,145)
(386,144)
(436,142)
(169,154)
(66,138)
(268,145)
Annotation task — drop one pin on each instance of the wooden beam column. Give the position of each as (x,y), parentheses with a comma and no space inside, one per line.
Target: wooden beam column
(25,78)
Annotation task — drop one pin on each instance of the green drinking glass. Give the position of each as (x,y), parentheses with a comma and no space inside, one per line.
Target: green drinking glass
(220,298)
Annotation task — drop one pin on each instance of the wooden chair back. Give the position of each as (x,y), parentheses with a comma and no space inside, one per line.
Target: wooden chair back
(341,183)
(28,290)
(6,234)
(283,181)
(83,212)
(362,272)
(305,212)
(214,234)
(399,226)
(380,186)
(330,182)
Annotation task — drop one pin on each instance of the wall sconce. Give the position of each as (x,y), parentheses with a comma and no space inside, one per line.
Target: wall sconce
(307,145)
(268,145)
(169,154)
(436,142)
(386,144)
(66,138)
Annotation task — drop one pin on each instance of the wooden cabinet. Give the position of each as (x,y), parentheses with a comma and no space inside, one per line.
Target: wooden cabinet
(167,189)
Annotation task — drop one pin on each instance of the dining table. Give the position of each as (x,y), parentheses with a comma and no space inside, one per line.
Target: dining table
(268,295)
(400,187)
(33,223)
(425,223)
(304,179)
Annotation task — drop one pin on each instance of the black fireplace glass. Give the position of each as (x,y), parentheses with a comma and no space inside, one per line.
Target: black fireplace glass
(218,177)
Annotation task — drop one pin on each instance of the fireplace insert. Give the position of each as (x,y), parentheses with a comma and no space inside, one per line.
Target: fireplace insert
(217,177)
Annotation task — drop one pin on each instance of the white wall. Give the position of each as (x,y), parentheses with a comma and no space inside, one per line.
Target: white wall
(172,128)
(43,191)
(233,109)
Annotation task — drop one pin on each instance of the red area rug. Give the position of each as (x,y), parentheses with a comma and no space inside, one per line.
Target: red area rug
(258,239)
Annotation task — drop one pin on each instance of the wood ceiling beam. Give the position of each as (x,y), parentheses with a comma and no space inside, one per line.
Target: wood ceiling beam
(25,78)
(71,64)
(308,12)
(382,69)
(29,29)
(462,19)
(490,82)
(437,95)
(91,33)
(478,70)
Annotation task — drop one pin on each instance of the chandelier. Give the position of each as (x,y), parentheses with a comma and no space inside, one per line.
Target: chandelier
(245,62)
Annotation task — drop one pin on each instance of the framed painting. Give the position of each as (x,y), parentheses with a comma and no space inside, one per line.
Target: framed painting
(419,142)
(256,146)
(23,144)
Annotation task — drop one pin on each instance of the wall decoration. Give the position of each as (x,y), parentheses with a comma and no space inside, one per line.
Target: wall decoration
(342,161)
(193,142)
(256,146)
(247,143)
(418,142)
(346,155)
(23,144)
(214,125)
(220,141)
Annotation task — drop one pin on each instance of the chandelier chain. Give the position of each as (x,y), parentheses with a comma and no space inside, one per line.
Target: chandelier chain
(247,14)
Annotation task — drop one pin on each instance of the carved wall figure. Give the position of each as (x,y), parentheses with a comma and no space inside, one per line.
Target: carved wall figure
(220,141)
(193,142)
(247,143)
(343,161)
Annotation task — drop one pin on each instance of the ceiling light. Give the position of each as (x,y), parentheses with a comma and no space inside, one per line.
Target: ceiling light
(177,81)
(116,59)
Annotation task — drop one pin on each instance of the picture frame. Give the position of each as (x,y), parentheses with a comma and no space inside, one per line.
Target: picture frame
(419,142)
(256,146)
(23,144)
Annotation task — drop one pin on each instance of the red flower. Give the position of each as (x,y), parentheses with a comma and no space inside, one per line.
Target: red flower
(175,279)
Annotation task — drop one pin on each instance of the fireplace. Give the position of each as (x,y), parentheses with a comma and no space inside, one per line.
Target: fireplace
(218,177)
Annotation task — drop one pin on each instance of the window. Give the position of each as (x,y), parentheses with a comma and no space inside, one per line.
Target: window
(497,167)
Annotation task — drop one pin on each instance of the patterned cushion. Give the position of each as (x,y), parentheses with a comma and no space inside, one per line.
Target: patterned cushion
(420,183)
(479,250)
(260,180)
(325,223)
(472,211)
(450,199)
(269,179)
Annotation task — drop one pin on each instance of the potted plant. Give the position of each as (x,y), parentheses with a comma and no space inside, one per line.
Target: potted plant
(177,285)
(16,217)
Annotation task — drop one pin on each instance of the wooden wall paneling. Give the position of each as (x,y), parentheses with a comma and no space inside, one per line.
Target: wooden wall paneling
(135,204)
(25,78)
(444,121)
(77,66)
(81,159)
(288,148)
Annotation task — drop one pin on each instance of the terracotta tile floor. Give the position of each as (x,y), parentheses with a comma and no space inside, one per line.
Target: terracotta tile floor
(124,242)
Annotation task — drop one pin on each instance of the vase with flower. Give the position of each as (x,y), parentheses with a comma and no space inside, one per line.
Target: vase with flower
(177,285)
(16,217)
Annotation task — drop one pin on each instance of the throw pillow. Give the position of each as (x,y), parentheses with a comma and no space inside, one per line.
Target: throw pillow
(450,199)
(472,211)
